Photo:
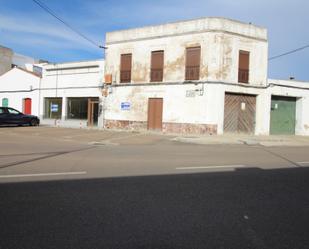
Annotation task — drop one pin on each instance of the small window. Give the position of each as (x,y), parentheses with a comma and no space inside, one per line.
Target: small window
(125,68)
(193,57)
(37,70)
(243,67)
(2,110)
(157,64)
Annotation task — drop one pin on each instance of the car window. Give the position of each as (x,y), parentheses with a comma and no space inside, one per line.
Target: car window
(12,111)
(1,110)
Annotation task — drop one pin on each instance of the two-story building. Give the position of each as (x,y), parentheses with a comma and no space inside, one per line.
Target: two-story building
(188,76)
(206,76)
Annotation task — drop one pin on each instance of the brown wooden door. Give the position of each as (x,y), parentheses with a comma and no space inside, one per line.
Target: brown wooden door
(155,111)
(239,113)
(93,106)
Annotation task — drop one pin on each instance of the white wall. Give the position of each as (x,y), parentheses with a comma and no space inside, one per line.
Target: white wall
(177,107)
(297,89)
(74,79)
(207,106)
(23,61)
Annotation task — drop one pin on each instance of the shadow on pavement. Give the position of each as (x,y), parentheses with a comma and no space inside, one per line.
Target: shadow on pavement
(247,208)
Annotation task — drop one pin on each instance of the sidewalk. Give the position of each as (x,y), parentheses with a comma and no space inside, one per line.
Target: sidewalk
(280,140)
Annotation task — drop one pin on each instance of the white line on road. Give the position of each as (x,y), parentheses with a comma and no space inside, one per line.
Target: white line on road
(45,174)
(303,162)
(211,167)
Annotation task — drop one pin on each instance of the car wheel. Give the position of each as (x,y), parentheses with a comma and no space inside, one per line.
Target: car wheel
(33,122)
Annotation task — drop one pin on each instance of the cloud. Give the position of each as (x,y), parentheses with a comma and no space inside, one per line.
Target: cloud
(44,32)
(25,26)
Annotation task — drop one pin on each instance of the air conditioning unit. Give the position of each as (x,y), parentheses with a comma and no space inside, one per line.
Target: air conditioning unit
(108,79)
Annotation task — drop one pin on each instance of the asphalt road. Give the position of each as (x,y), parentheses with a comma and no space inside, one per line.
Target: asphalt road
(242,209)
(60,190)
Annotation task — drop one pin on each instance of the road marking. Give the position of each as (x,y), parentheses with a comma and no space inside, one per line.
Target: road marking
(211,167)
(44,174)
(303,162)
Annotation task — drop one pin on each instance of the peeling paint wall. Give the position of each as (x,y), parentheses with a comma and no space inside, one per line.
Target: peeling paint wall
(182,104)
(220,40)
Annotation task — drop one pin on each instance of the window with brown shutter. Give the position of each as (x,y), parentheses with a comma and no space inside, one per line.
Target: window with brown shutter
(125,68)
(193,57)
(243,67)
(157,62)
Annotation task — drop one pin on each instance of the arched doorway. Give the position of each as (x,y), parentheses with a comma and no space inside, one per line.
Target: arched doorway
(27,106)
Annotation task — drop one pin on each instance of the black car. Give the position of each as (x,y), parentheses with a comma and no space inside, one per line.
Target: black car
(10,116)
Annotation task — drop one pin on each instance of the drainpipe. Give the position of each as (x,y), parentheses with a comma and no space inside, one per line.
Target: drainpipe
(39,107)
(56,65)
(56,80)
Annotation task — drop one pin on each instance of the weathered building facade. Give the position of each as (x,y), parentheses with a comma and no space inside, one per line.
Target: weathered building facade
(205,76)
(201,61)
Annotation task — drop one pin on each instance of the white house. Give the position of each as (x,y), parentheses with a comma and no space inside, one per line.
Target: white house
(19,89)
(206,76)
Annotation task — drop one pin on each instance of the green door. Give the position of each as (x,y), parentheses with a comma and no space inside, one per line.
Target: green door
(282,115)
(5,102)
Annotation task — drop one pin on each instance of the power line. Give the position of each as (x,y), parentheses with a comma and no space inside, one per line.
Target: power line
(49,11)
(289,52)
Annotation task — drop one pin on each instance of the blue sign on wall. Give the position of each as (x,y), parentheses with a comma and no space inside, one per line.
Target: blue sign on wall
(54,108)
(125,106)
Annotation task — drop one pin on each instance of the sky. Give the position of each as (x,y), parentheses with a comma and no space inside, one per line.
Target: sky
(28,30)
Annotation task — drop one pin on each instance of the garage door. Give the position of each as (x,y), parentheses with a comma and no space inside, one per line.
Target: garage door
(239,113)
(282,115)
(155,110)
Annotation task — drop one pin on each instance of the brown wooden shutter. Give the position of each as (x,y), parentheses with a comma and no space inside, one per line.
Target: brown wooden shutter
(157,62)
(243,68)
(125,68)
(193,57)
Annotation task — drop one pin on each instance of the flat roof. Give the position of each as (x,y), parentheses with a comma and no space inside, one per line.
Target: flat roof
(199,25)
(73,65)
